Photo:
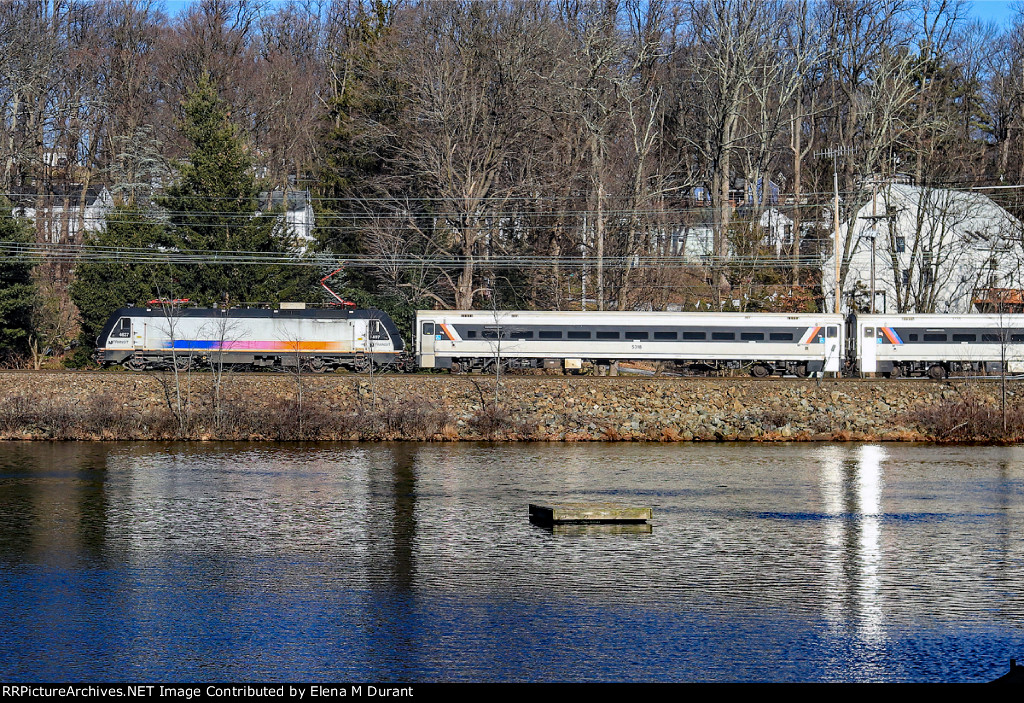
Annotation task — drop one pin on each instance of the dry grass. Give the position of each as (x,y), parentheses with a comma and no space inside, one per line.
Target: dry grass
(972,416)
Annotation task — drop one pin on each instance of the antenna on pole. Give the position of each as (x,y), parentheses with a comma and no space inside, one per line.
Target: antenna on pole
(834,154)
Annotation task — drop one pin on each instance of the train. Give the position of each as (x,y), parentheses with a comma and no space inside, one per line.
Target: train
(294,336)
(290,336)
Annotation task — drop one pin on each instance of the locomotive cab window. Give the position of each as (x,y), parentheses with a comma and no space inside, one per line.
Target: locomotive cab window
(377,331)
(123,329)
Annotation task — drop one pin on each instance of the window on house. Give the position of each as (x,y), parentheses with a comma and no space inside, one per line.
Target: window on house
(905,277)
(901,245)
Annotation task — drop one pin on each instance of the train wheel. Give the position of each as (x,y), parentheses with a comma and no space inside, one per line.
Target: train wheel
(182,363)
(897,372)
(937,372)
(801,371)
(134,364)
(760,371)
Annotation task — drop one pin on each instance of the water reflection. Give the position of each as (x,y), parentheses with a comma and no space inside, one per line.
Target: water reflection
(418,562)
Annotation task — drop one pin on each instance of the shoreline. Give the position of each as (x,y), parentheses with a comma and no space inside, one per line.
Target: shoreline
(346,407)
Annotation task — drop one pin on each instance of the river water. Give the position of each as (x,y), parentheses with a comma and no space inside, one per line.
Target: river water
(416,562)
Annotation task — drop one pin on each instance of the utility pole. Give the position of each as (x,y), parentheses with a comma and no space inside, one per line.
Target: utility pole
(834,154)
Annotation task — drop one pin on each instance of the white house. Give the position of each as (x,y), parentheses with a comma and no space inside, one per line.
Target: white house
(934,248)
(63,214)
(297,219)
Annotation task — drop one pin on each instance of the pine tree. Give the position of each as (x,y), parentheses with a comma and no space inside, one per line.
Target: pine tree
(213,208)
(354,153)
(17,290)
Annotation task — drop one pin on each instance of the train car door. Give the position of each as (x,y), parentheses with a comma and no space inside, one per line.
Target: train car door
(427,331)
(868,345)
(832,349)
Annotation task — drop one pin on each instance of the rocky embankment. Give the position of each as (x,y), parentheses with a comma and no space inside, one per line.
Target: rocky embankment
(111,405)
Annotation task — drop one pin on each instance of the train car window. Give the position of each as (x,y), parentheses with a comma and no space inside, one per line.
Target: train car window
(723,335)
(665,335)
(470,334)
(990,338)
(578,334)
(695,335)
(522,334)
(832,332)
(428,329)
(752,336)
(550,334)
(780,336)
(123,329)
(490,334)
(933,337)
(965,337)
(607,334)
(913,338)
(1017,337)
(636,335)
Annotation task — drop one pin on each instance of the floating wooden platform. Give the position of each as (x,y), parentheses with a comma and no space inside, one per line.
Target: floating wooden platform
(588,513)
(580,529)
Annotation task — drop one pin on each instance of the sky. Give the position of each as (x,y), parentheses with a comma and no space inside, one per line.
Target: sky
(1000,11)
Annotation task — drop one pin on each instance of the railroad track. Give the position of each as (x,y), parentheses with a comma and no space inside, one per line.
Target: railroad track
(622,377)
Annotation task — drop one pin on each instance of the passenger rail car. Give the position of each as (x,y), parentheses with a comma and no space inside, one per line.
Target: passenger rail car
(937,345)
(464,340)
(320,340)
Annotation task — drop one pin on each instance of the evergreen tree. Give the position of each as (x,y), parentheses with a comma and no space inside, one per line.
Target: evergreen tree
(16,287)
(102,286)
(213,208)
(354,151)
